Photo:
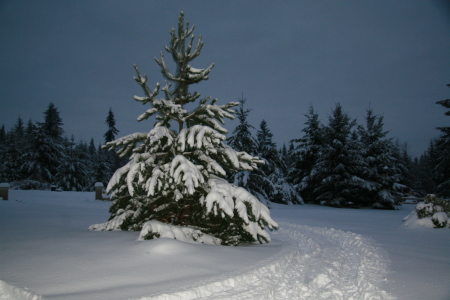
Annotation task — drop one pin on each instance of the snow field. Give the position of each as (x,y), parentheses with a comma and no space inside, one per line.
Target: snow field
(315,263)
(9,292)
(47,251)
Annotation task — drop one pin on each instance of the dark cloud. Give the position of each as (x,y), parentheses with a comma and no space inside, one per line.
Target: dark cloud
(284,56)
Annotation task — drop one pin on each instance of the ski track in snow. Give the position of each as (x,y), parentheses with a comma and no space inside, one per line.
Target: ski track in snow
(315,263)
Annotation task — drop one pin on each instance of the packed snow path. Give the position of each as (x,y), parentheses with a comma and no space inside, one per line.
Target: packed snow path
(315,263)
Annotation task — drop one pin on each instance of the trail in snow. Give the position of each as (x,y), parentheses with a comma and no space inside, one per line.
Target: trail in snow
(316,263)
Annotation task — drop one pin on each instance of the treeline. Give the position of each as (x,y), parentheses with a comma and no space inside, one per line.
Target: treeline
(341,163)
(432,169)
(36,155)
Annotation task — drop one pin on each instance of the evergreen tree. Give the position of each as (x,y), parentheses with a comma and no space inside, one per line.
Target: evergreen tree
(243,140)
(19,129)
(379,172)
(442,168)
(102,167)
(427,162)
(2,152)
(305,155)
(176,176)
(274,171)
(30,130)
(113,161)
(45,151)
(43,157)
(339,163)
(12,158)
(110,135)
(13,151)
(2,134)
(92,150)
(73,173)
(52,125)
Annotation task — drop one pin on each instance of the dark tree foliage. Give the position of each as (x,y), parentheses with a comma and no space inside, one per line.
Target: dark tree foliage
(43,157)
(442,167)
(242,138)
(305,153)
(52,125)
(2,134)
(73,172)
(339,163)
(274,171)
(31,129)
(19,129)
(379,170)
(110,135)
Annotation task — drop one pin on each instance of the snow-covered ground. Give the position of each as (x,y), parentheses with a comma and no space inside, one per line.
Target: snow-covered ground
(46,252)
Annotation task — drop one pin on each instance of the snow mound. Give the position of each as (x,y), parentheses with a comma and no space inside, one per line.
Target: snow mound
(9,292)
(316,263)
(185,234)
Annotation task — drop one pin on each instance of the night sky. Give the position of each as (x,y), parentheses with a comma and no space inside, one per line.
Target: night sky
(283,56)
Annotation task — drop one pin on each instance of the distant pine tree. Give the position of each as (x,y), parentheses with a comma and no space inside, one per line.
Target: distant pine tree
(43,157)
(19,129)
(110,135)
(379,172)
(305,153)
(73,173)
(52,125)
(274,171)
(30,130)
(442,168)
(2,133)
(44,152)
(13,150)
(242,140)
(339,162)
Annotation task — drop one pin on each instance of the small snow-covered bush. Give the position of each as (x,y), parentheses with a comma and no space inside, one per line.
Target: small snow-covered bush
(440,219)
(435,209)
(439,204)
(425,210)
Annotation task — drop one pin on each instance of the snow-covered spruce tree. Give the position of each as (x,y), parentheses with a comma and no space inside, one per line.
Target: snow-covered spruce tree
(13,151)
(379,173)
(43,157)
(73,173)
(339,162)
(442,169)
(278,189)
(242,140)
(174,180)
(305,155)
(45,150)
